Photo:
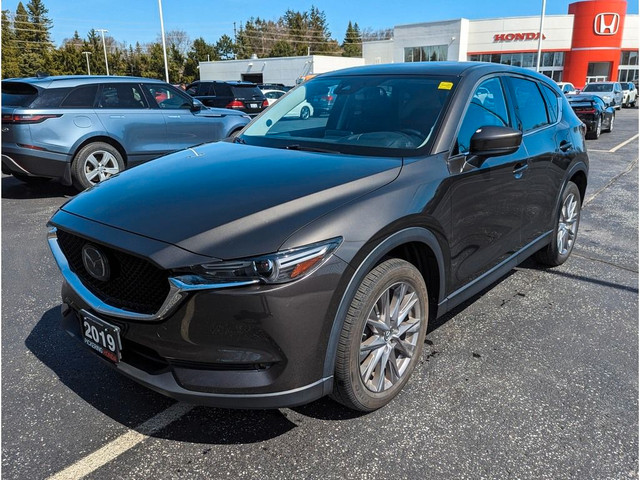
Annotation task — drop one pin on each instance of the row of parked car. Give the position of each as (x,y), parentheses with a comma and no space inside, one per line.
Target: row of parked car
(597,102)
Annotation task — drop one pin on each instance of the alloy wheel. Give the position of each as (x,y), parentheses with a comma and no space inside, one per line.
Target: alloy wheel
(99,166)
(567,224)
(390,336)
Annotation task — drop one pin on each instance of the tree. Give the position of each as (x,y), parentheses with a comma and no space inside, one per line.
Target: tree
(225,48)
(10,49)
(352,46)
(36,52)
(200,51)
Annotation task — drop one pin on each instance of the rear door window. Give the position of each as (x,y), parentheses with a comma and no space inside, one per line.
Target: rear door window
(81,97)
(530,105)
(121,95)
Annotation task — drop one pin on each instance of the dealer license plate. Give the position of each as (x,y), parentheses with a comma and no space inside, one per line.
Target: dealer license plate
(101,336)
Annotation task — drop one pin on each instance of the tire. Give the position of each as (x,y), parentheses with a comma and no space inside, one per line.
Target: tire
(611,123)
(595,134)
(305,113)
(95,163)
(393,341)
(565,231)
(30,180)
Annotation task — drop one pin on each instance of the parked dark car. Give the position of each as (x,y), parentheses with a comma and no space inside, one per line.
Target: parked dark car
(592,110)
(300,261)
(243,96)
(322,100)
(84,129)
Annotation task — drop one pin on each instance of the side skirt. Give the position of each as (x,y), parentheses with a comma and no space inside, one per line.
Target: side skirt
(497,272)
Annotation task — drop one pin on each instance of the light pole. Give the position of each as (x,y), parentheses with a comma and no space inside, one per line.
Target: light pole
(104,45)
(544,6)
(164,44)
(86,54)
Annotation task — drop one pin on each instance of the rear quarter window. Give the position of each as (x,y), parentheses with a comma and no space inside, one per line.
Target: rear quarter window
(551,99)
(50,98)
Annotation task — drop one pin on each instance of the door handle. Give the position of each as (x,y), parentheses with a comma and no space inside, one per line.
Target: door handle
(116,116)
(173,116)
(566,146)
(519,169)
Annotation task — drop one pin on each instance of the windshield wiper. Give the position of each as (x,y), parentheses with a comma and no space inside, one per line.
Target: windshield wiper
(296,146)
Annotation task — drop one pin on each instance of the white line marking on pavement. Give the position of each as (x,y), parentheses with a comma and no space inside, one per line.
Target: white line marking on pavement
(618,147)
(124,442)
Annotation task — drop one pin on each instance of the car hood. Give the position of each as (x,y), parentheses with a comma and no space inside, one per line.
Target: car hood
(228,200)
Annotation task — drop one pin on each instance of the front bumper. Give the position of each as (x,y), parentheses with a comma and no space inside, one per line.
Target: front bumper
(257,346)
(36,163)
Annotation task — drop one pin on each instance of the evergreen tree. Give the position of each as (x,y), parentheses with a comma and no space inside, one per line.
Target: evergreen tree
(200,51)
(10,48)
(352,46)
(36,55)
(225,48)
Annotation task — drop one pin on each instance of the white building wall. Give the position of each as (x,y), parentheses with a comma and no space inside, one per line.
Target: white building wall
(285,70)
(558,31)
(630,34)
(428,34)
(379,51)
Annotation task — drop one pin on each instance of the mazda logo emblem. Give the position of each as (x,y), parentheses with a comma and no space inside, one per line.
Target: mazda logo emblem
(95,263)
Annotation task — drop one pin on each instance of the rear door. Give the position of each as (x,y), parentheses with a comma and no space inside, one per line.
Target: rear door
(537,112)
(185,128)
(248,98)
(125,114)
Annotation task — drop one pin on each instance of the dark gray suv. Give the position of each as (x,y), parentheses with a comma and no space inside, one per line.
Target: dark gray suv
(307,257)
(83,129)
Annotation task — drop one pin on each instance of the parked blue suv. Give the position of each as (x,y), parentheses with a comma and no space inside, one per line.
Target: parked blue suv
(84,129)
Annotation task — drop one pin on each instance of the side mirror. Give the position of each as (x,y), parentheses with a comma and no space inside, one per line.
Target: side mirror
(493,141)
(197,105)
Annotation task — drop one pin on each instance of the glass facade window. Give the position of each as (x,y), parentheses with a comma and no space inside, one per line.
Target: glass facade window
(628,70)
(431,53)
(552,62)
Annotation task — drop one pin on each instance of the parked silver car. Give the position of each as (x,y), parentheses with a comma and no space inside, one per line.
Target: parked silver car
(610,92)
(84,129)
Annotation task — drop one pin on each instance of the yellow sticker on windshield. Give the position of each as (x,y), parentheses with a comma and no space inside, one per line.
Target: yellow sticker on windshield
(445,86)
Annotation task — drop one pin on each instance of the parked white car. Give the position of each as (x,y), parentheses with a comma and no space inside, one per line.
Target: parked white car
(273,96)
(629,94)
(567,88)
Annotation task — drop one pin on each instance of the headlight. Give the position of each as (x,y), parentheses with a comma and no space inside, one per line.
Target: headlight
(280,267)
(607,97)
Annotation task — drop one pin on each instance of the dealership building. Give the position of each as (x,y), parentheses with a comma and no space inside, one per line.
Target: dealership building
(595,41)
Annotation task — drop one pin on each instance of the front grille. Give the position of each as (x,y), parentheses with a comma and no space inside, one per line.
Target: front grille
(134,284)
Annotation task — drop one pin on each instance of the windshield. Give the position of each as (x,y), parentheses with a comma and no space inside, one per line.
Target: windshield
(598,87)
(365,115)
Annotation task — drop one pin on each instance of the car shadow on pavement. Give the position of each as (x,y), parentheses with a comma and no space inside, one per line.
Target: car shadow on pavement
(14,189)
(130,404)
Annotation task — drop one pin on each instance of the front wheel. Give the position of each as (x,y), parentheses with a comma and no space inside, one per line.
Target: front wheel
(382,337)
(566,229)
(95,163)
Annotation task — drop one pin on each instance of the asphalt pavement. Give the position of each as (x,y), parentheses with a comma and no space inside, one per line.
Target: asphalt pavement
(535,378)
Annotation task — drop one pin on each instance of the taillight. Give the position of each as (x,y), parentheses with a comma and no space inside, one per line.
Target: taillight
(26,118)
(235,104)
(586,110)
(265,104)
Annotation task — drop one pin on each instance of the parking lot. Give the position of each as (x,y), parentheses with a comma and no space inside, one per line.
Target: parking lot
(537,377)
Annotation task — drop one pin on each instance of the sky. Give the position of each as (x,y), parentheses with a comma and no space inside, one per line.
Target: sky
(131,21)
